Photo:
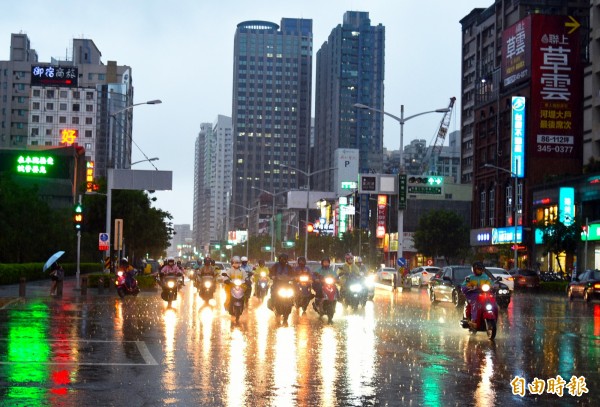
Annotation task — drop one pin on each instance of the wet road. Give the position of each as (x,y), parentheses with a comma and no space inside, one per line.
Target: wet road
(400,350)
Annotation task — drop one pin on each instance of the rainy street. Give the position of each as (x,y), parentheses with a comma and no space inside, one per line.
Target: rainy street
(400,350)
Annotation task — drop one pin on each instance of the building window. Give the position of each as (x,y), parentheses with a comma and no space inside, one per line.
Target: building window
(63,94)
(35,131)
(35,106)
(62,106)
(62,119)
(509,204)
(36,93)
(89,120)
(88,133)
(49,106)
(76,94)
(50,93)
(89,95)
(90,76)
(75,120)
(492,211)
(89,108)
(482,209)
(35,118)
(49,119)
(49,133)
(101,77)
(75,107)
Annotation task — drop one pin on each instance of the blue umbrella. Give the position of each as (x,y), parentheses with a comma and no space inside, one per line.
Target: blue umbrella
(52,259)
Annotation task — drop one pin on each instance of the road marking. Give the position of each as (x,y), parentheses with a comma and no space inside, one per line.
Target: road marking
(10,303)
(146,353)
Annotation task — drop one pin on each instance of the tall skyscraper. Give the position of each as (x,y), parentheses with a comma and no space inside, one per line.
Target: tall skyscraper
(271,109)
(350,69)
(212,182)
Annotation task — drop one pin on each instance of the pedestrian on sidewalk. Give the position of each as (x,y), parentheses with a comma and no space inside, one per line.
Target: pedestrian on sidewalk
(56,274)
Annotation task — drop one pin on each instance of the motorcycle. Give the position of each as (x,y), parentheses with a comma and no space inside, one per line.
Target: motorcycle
(169,288)
(326,305)
(237,291)
(369,282)
(487,313)
(206,287)
(262,285)
(122,288)
(283,300)
(303,293)
(355,293)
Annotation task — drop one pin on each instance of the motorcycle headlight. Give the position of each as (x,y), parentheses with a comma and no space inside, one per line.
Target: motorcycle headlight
(263,284)
(485,288)
(171,284)
(286,292)
(238,282)
(329,280)
(207,284)
(304,278)
(191,273)
(119,273)
(371,278)
(263,273)
(488,307)
(355,288)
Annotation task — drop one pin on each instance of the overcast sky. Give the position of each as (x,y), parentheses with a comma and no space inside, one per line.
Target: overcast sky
(182,53)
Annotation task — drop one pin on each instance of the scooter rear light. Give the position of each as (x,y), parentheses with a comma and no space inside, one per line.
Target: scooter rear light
(597,286)
(207,284)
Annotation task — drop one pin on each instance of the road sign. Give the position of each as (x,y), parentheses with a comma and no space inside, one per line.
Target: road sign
(266,249)
(103,242)
(118,243)
(402,262)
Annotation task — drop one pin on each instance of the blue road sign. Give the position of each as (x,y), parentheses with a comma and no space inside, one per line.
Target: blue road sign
(402,262)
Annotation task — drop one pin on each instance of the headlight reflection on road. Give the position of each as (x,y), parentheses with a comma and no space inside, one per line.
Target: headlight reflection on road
(285,367)
(169,372)
(360,356)
(236,386)
(327,355)
(485,396)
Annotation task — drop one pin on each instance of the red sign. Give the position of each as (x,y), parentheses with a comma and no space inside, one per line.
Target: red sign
(516,52)
(381,215)
(556,88)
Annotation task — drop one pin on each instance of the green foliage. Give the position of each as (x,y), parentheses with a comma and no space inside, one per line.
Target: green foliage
(11,273)
(558,238)
(442,233)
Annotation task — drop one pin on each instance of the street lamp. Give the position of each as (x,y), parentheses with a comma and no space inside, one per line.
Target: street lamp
(307,175)
(273,195)
(247,222)
(512,174)
(147,159)
(109,170)
(400,120)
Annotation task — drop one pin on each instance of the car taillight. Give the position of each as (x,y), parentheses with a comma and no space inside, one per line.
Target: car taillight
(424,273)
(510,278)
(597,286)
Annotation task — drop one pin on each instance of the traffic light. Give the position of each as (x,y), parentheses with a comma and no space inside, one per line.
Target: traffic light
(78,217)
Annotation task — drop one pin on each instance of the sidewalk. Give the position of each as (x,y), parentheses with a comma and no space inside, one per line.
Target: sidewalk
(41,288)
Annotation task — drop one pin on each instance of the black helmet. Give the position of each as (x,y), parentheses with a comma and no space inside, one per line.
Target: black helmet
(207,261)
(261,262)
(301,259)
(478,266)
(325,259)
(282,256)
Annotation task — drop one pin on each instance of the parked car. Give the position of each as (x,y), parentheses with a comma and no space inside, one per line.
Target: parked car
(421,275)
(525,278)
(386,274)
(447,286)
(586,286)
(504,275)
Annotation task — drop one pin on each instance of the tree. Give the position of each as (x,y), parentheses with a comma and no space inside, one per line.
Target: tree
(559,238)
(442,233)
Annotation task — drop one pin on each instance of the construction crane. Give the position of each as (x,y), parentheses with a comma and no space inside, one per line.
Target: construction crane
(434,152)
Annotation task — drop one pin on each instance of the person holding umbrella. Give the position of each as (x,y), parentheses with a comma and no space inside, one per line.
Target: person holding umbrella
(56,274)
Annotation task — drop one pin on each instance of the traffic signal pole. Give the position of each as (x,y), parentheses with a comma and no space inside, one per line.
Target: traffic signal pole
(77,286)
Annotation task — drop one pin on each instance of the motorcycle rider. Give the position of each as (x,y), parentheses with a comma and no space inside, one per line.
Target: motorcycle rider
(257,271)
(169,269)
(232,273)
(347,272)
(470,288)
(322,272)
(279,273)
(301,267)
(128,272)
(248,269)
(361,267)
(180,267)
(207,269)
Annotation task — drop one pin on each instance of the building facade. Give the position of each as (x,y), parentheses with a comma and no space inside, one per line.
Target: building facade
(63,102)
(271,114)
(213,167)
(350,70)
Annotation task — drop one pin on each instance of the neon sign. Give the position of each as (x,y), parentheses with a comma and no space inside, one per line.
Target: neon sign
(27,164)
(68,136)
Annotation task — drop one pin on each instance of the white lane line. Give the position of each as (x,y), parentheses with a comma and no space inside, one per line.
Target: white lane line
(10,303)
(146,353)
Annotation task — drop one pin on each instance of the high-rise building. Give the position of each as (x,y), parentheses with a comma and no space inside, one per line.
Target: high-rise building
(350,69)
(212,182)
(63,102)
(272,79)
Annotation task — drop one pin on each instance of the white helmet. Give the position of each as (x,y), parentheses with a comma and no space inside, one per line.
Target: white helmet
(244,258)
(359,259)
(235,259)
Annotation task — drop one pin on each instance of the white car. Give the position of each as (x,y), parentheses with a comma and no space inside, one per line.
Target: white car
(505,275)
(421,275)
(386,274)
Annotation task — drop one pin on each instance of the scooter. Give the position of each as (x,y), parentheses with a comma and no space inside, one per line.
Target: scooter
(487,313)
(206,287)
(262,285)
(326,305)
(303,293)
(355,293)
(282,300)
(169,288)
(237,290)
(122,288)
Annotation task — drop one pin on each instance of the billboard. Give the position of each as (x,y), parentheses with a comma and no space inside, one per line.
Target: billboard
(54,75)
(517,136)
(556,88)
(346,169)
(516,52)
